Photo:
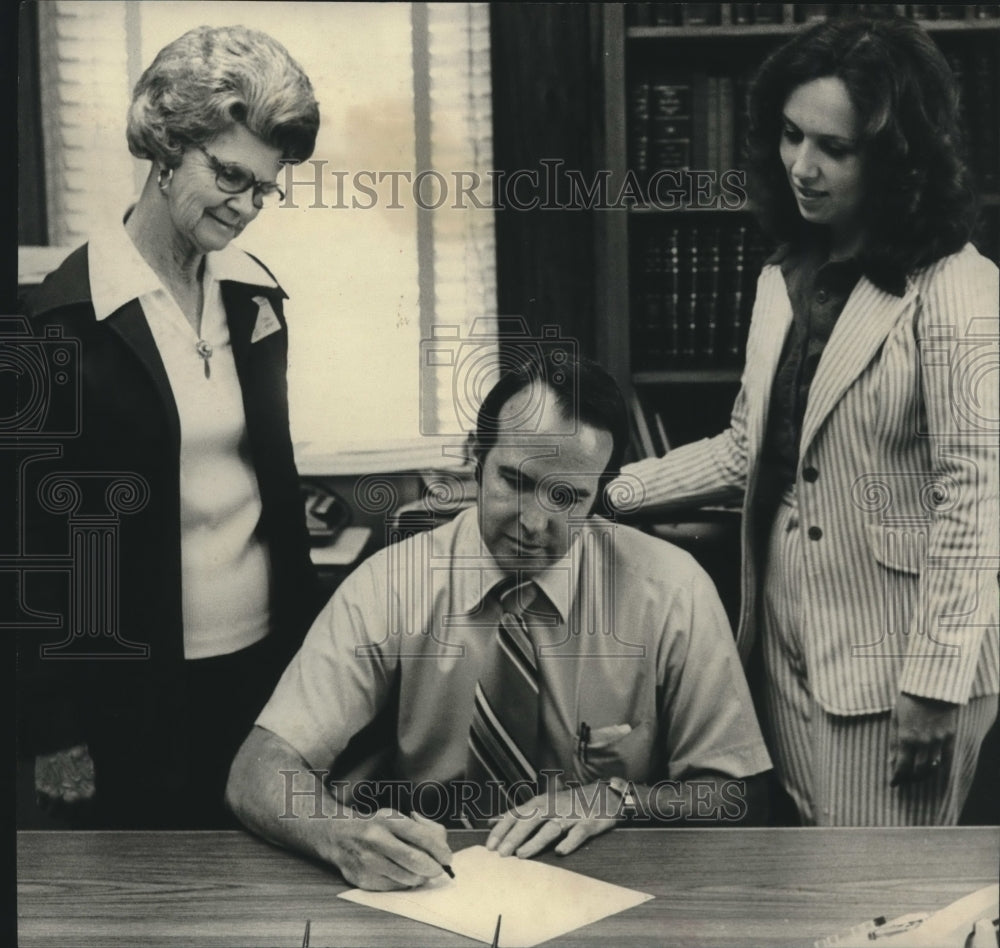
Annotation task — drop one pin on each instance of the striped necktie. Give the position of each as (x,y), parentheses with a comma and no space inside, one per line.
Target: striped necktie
(503,739)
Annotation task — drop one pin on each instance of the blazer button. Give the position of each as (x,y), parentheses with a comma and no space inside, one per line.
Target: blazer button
(822,296)
(809,474)
(815,533)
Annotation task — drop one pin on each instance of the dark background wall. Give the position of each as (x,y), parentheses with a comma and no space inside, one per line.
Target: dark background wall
(546,105)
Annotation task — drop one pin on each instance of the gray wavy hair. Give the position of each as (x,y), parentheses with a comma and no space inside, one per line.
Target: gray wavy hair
(213,78)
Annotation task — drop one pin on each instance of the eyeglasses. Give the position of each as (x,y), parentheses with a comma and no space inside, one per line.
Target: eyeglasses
(233,178)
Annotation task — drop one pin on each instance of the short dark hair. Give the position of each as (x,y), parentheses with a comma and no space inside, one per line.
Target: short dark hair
(213,78)
(919,200)
(583,391)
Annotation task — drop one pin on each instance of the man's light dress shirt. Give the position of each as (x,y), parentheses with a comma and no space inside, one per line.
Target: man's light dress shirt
(637,646)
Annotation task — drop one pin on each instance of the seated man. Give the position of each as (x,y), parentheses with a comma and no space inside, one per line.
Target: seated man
(546,662)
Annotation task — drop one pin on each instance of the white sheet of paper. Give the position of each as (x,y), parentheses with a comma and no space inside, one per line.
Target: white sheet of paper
(537,901)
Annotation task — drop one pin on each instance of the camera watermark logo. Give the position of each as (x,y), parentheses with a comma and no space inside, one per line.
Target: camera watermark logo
(45,402)
(967,366)
(458,370)
(81,510)
(901,535)
(419,570)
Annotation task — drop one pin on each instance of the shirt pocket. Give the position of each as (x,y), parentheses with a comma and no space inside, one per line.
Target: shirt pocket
(900,550)
(612,753)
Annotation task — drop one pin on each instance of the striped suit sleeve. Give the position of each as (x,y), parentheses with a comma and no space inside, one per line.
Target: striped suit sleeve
(713,470)
(958,593)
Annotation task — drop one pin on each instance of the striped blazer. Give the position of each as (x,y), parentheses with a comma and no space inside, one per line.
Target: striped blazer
(897,486)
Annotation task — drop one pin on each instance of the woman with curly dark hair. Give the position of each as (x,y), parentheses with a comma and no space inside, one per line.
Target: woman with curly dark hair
(863,442)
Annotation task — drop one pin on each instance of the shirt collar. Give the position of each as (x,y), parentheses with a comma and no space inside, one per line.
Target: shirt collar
(888,279)
(119,274)
(471,584)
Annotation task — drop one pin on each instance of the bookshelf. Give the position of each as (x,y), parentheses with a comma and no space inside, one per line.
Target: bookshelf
(677,268)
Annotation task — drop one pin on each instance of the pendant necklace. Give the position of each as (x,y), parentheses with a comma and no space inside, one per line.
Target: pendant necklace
(204,349)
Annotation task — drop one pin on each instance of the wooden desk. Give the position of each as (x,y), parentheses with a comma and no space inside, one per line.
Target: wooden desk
(748,887)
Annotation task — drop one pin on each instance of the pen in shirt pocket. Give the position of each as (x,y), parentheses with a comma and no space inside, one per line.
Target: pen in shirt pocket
(588,738)
(582,741)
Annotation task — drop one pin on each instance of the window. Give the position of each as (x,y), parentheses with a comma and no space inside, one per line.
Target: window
(386,238)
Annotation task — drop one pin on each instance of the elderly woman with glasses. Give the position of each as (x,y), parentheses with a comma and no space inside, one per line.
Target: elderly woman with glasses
(205,582)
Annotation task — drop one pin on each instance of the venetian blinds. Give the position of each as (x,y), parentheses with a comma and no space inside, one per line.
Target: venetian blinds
(462,321)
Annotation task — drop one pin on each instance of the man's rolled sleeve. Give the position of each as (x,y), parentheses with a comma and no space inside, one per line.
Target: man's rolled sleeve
(341,675)
(708,716)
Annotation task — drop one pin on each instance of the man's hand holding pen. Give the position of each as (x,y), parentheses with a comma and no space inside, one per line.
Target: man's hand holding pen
(388,850)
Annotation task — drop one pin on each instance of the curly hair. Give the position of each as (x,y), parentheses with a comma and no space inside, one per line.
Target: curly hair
(919,201)
(213,78)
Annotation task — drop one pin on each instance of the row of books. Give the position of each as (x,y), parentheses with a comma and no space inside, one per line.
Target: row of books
(695,120)
(692,289)
(692,120)
(724,14)
(693,285)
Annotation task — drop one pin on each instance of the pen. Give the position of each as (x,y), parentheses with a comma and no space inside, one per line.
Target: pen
(305,937)
(496,934)
(420,818)
(582,740)
(894,929)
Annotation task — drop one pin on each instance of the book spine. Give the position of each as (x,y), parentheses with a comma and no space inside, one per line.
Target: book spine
(665,14)
(737,266)
(711,296)
(639,127)
(689,349)
(639,14)
(768,12)
(671,293)
(712,130)
(647,326)
(811,12)
(700,156)
(741,118)
(727,124)
(701,14)
(670,124)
